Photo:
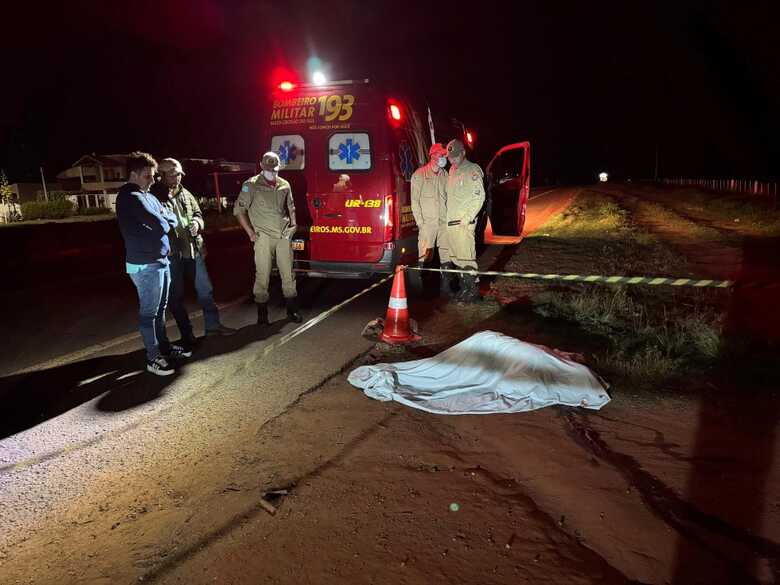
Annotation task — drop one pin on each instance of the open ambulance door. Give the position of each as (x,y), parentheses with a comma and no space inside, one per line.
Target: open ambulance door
(508,184)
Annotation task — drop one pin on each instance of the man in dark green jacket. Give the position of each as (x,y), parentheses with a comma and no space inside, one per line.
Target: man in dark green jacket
(187,253)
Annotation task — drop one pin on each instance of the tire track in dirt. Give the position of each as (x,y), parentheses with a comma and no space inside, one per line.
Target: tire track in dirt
(703,246)
(506,487)
(718,211)
(726,543)
(750,261)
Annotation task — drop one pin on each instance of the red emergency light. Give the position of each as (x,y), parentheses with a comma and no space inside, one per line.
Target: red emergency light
(395,113)
(287,86)
(469,138)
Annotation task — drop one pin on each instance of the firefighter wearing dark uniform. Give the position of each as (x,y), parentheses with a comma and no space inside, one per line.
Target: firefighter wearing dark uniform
(465,197)
(266,211)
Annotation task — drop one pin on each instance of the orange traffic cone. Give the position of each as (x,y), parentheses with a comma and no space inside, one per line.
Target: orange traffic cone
(396,328)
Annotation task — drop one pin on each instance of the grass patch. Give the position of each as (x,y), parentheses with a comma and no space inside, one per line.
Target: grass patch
(590,216)
(675,222)
(652,334)
(84,211)
(650,340)
(757,214)
(56,209)
(599,235)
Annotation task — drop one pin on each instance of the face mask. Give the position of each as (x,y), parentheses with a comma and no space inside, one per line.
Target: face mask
(269,176)
(442,162)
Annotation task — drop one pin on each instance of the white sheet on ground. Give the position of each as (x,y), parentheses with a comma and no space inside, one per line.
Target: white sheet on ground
(487,373)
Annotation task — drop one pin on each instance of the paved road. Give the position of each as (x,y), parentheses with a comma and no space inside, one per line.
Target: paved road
(80,303)
(69,426)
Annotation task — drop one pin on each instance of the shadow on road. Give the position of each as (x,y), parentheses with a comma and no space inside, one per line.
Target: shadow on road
(32,398)
(734,450)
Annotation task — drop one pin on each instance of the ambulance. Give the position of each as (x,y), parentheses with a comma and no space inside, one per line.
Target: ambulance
(348,150)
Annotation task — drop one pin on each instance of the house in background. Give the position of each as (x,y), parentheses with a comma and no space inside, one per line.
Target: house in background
(93,175)
(94,179)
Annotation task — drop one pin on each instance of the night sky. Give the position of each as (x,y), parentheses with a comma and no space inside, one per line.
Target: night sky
(593,85)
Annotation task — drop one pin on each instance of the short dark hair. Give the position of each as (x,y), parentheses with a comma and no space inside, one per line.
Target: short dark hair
(138,161)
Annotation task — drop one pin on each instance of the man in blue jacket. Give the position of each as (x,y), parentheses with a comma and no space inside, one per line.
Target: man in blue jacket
(145,224)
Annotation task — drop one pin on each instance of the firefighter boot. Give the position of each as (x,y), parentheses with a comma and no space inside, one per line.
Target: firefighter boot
(460,280)
(446,280)
(470,289)
(292,310)
(262,314)
(414,278)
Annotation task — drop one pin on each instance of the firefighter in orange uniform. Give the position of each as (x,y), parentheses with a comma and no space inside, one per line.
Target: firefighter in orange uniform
(429,206)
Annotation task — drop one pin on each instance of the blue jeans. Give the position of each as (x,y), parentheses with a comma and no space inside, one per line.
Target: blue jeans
(192,270)
(152,284)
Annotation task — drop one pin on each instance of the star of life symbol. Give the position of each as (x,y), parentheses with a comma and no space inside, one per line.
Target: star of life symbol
(287,152)
(349,152)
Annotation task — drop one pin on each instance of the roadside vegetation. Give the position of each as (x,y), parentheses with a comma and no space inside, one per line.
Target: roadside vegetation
(56,209)
(653,334)
(757,215)
(93,211)
(650,340)
(671,221)
(64,209)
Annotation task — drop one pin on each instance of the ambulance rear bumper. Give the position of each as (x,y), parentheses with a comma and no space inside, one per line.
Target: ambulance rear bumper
(318,269)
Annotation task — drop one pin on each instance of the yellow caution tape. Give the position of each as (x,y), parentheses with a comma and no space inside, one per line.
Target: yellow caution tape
(594,278)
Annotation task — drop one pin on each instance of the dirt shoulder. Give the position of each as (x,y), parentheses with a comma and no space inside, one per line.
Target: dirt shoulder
(736,214)
(643,491)
(409,499)
(698,225)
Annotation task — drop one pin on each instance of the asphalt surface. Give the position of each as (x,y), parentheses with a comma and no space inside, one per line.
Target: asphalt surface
(67,423)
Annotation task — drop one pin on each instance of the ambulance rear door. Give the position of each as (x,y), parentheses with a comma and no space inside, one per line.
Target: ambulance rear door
(351,205)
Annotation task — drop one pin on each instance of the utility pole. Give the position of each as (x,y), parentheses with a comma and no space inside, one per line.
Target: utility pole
(43,180)
(430,126)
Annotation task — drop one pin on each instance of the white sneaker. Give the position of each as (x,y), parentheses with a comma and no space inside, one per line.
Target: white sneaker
(177,351)
(159,367)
